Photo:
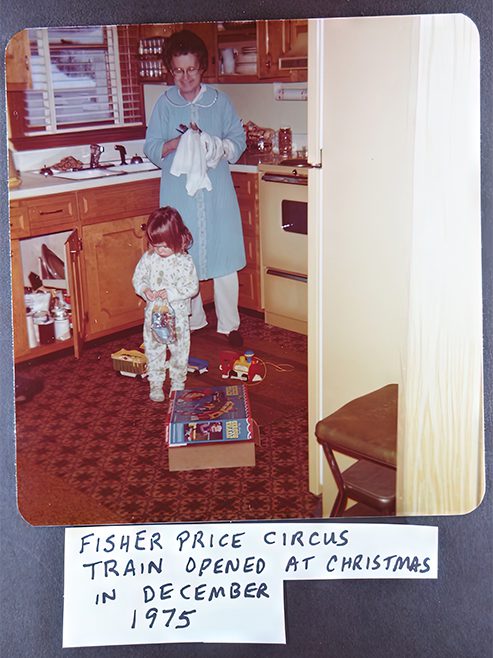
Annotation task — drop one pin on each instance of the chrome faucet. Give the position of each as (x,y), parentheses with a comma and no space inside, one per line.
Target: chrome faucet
(96,150)
(123,152)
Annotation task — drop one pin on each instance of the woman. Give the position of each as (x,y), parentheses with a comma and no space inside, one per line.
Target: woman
(213,216)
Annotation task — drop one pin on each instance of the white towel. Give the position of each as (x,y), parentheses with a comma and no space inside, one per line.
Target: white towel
(196,153)
(190,160)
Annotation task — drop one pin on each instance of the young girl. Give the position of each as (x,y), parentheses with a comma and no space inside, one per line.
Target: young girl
(165,277)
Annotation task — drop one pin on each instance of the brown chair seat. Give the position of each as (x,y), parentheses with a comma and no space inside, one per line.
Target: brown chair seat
(366,429)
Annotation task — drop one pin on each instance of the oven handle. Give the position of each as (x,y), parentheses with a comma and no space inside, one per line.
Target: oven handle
(287,275)
(285,178)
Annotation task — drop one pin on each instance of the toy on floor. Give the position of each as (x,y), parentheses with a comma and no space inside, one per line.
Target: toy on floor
(130,363)
(246,367)
(198,366)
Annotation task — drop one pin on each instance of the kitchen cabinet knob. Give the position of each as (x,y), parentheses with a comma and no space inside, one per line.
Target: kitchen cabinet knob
(143,226)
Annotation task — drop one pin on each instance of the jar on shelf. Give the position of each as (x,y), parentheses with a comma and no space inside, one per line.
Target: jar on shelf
(285,141)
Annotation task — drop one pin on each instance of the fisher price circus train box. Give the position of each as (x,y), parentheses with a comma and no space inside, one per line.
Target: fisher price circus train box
(210,428)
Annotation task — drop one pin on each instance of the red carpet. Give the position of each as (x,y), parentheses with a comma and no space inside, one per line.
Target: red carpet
(91,445)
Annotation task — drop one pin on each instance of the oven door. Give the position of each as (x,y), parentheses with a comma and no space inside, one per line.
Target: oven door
(283,225)
(284,247)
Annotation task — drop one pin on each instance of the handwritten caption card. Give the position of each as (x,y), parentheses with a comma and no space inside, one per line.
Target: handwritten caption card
(219,582)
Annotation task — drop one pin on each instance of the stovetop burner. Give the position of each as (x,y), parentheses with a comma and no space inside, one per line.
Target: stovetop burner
(294,162)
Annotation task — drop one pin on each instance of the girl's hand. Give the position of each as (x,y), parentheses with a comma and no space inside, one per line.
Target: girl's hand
(170,146)
(162,294)
(150,294)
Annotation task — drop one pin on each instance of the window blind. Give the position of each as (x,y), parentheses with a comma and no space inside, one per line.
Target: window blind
(84,78)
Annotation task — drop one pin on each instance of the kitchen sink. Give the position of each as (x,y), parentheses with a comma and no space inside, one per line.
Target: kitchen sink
(110,169)
(86,174)
(134,168)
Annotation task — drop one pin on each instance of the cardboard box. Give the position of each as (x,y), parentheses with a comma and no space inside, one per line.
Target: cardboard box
(218,455)
(210,427)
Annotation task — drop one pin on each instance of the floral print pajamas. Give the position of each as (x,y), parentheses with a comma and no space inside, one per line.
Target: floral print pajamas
(177,275)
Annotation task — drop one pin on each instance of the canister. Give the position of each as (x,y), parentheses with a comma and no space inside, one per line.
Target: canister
(46,332)
(285,141)
(62,328)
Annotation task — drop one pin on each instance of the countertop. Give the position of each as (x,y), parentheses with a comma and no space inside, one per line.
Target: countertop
(34,184)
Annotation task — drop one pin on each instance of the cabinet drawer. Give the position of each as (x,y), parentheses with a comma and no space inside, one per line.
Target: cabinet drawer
(52,213)
(19,220)
(116,201)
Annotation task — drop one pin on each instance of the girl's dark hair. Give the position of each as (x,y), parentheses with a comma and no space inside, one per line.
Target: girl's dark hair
(165,226)
(183,43)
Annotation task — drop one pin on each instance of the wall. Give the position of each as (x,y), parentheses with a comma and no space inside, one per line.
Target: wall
(369,129)
(253,102)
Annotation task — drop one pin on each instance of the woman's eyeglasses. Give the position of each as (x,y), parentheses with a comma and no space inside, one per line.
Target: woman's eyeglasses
(190,71)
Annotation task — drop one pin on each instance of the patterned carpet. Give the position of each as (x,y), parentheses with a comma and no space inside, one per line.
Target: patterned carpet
(90,445)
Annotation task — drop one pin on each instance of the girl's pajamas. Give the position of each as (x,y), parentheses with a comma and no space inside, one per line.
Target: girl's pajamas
(177,275)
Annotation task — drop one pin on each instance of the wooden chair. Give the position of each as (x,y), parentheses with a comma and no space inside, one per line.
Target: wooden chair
(365,429)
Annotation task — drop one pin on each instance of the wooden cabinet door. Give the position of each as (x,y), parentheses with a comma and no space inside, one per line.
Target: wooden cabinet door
(18,62)
(74,269)
(246,186)
(270,41)
(21,344)
(111,251)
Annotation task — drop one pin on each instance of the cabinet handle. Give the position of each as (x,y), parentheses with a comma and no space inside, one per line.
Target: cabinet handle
(51,212)
(143,226)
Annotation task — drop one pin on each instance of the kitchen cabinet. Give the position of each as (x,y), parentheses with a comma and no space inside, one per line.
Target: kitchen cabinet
(19,220)
(106,240)
(246,186)
(271,40)
(275,39)
(18,62)
(113,238)
(111,251)
(21,345)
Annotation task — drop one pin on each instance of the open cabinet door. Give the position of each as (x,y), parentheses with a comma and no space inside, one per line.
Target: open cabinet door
(72,252)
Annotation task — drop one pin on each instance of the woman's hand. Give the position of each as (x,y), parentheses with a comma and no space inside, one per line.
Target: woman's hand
(170,146)
(162,294)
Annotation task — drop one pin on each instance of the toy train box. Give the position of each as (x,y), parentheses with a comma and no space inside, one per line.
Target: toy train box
(209,415)
(210,428)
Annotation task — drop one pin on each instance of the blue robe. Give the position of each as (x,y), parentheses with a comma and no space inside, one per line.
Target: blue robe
(213,217)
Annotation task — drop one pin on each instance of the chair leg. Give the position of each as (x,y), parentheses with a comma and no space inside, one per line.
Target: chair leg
(341,499)
(339,505)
